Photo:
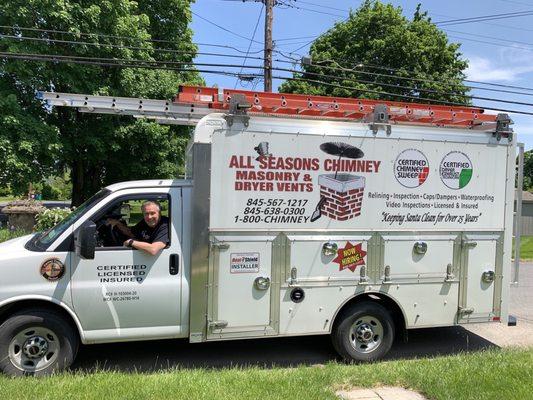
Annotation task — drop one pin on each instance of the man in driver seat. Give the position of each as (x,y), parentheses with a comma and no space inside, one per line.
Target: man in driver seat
(150,234)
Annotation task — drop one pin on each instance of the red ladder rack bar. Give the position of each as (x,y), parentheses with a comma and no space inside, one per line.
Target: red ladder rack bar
(334,107)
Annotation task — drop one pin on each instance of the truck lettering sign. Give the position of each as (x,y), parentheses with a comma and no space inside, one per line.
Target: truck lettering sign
(411,168)
(456,170)
(350,257)
(244,263)
(121,273)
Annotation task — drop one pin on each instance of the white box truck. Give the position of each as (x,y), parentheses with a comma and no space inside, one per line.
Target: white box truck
(299,215)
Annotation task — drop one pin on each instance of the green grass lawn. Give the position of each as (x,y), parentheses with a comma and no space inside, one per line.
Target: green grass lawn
(526,248)
(493,374)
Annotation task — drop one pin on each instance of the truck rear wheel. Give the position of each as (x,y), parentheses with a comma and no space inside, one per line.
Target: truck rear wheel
(36,342)
(364,332)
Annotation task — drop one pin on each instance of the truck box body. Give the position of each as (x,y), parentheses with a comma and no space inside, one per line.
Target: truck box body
(450,189)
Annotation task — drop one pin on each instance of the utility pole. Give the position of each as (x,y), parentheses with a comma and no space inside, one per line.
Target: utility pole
(269,8)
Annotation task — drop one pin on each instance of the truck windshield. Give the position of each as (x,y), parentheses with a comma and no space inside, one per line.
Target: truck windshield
(44,239)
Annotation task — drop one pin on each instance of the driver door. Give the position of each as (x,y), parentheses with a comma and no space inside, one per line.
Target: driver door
(125,289)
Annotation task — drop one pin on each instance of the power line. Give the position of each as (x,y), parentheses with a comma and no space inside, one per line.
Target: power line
(181,64)
(294,38)
(95,62)
(315,11)
(250,44)
(491,24)
(464,80)
(515,2)
(296,42)
(400,95)
(459,21)
(226,55)
(490,43)
(488,37)
(101,35)
(409,88)
(224,29)
(320,5)
(128,65)
(116,46)
(406,78)
(448,22)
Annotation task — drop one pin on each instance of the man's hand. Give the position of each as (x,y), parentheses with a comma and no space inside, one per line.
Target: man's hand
(150,248)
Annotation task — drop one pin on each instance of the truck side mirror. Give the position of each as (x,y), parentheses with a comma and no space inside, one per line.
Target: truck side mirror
(85,240)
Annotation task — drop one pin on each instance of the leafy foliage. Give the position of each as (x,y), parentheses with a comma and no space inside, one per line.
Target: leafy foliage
(528,170)
(50,217)
(379,35)
(98,149)
(55,188)
(8,234)
(29,148)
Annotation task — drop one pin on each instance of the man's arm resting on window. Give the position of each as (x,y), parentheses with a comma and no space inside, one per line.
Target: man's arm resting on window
(150,248)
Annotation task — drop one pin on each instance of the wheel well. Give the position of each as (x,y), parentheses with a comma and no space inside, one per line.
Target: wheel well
(12,308)
(389,304)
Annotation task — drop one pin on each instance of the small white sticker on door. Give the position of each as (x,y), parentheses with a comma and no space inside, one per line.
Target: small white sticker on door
(244,263)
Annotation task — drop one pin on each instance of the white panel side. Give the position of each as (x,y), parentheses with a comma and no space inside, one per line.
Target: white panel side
(416,179)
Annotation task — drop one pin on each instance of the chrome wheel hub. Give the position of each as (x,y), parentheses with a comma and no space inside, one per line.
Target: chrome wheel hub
(34,349)
(366,334)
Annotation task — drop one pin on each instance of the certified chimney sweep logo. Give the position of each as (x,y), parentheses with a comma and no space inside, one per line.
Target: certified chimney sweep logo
(411,168)
(456,170)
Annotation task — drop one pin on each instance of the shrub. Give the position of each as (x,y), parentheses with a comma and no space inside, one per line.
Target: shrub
(8,234)
(5,191)
(50,217)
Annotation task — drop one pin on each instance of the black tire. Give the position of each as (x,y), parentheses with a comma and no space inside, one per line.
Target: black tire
(36,342)
(363,332)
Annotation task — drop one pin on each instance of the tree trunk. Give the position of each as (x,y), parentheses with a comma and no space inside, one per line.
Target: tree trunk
(86,181)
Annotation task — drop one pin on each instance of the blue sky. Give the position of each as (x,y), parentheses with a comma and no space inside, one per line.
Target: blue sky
(499,51)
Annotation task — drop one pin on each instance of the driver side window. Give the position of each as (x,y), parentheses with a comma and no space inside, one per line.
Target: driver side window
(124,219)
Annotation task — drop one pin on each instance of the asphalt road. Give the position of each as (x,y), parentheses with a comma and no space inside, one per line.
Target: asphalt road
(313,350)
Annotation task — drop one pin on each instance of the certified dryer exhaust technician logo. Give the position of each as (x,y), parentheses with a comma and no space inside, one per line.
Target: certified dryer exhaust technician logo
(411,168)
(456,170)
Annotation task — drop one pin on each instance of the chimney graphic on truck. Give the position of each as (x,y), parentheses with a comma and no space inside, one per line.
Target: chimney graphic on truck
(341,195)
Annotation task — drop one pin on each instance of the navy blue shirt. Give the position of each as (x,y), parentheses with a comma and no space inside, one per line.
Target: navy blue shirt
(158,233)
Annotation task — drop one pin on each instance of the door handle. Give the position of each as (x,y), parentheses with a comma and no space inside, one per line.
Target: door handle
(262,283)
(174,264)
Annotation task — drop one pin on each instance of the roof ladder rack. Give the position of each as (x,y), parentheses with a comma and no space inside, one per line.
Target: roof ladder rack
(379,119)
(194,102)
(503,127)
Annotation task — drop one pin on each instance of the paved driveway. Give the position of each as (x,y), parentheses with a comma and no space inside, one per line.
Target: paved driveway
(311,350)
(521,306)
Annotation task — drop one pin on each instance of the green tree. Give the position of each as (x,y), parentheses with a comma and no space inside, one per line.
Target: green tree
(28,147)
(379,35)
(98,149)
(528,170)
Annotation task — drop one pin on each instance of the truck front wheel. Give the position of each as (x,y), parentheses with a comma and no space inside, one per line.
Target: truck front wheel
(364,332)
(36,342)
